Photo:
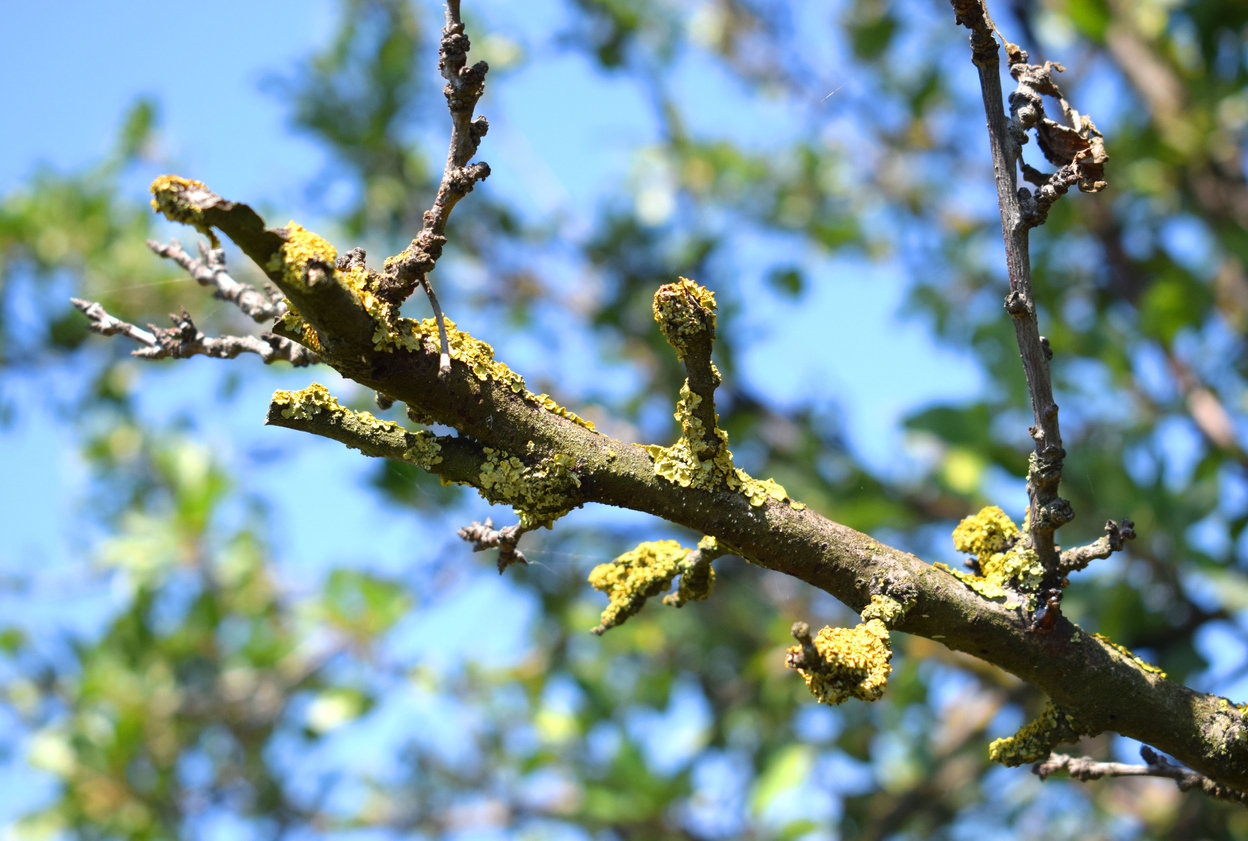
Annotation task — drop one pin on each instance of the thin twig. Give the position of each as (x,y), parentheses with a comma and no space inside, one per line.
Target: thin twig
(1114,539)
(185,340)
(464,86)
(1084,768)
(1047,511)
(484,536)
(210,270)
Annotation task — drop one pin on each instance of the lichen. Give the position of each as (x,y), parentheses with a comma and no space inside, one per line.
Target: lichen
(1006,565)
(634,577)
(856,663)
(307,402)
(300,248)
(1036,740)
(697,577)
(683,310)
(985,534)
(1130,655)
(169,199)
(886,609)
(425,449)
(540,493)
(694,462)
(547,403)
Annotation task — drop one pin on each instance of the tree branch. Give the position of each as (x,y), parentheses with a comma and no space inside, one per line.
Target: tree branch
(184,339)
(1084,768)
(210,270)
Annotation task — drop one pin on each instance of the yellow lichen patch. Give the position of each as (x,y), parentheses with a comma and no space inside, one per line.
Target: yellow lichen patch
(1006,565)
(634,577)
(308,402)
(1036,740)
(759,491)
(539,493)
(1130,655)
(293,323)
(984,534)
(545,401)
(169,198)
(301,248)
(887,610)
(856,663)
(424,450)
(684,309)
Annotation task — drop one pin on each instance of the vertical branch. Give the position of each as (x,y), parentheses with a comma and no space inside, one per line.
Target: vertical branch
(1047,511)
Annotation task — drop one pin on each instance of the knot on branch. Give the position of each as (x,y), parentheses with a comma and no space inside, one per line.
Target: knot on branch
(843,663)
(1017,305)
(484,536)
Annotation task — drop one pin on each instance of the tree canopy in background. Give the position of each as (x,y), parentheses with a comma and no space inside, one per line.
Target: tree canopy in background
(220,687)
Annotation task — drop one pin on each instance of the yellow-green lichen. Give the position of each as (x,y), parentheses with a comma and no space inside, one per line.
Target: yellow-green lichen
(1130,655)
(169,199)
(886,609)
(693,461)
(696,579)
(985,534)
(425,449)
(300,248)
(307,402)
(856,663)
(1036,740)
(540,493)
(547,403)
(1005,564)
(682,310)
(634,577)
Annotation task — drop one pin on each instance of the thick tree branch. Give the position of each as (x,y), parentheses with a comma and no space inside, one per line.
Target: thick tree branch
(1106,688)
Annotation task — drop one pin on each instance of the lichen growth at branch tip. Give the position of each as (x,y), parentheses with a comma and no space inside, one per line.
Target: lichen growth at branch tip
(1036,740)
(1006,565)
(634,577)
(855,663)
(169,198)
(682,310)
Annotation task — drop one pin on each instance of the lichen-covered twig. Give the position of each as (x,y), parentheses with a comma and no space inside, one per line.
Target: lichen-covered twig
(1020,211)
(1035,740)
(1084,768)
(210,270)
(843,663)
(185,340)
(464,86)
(648,570)
(1114,539)
(484,536)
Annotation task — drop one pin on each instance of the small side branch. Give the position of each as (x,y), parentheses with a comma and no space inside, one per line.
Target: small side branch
(484,536)
(1084,768)
(464,86)
(1114,540)
(209,270)
(185,340)
(1047,511)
